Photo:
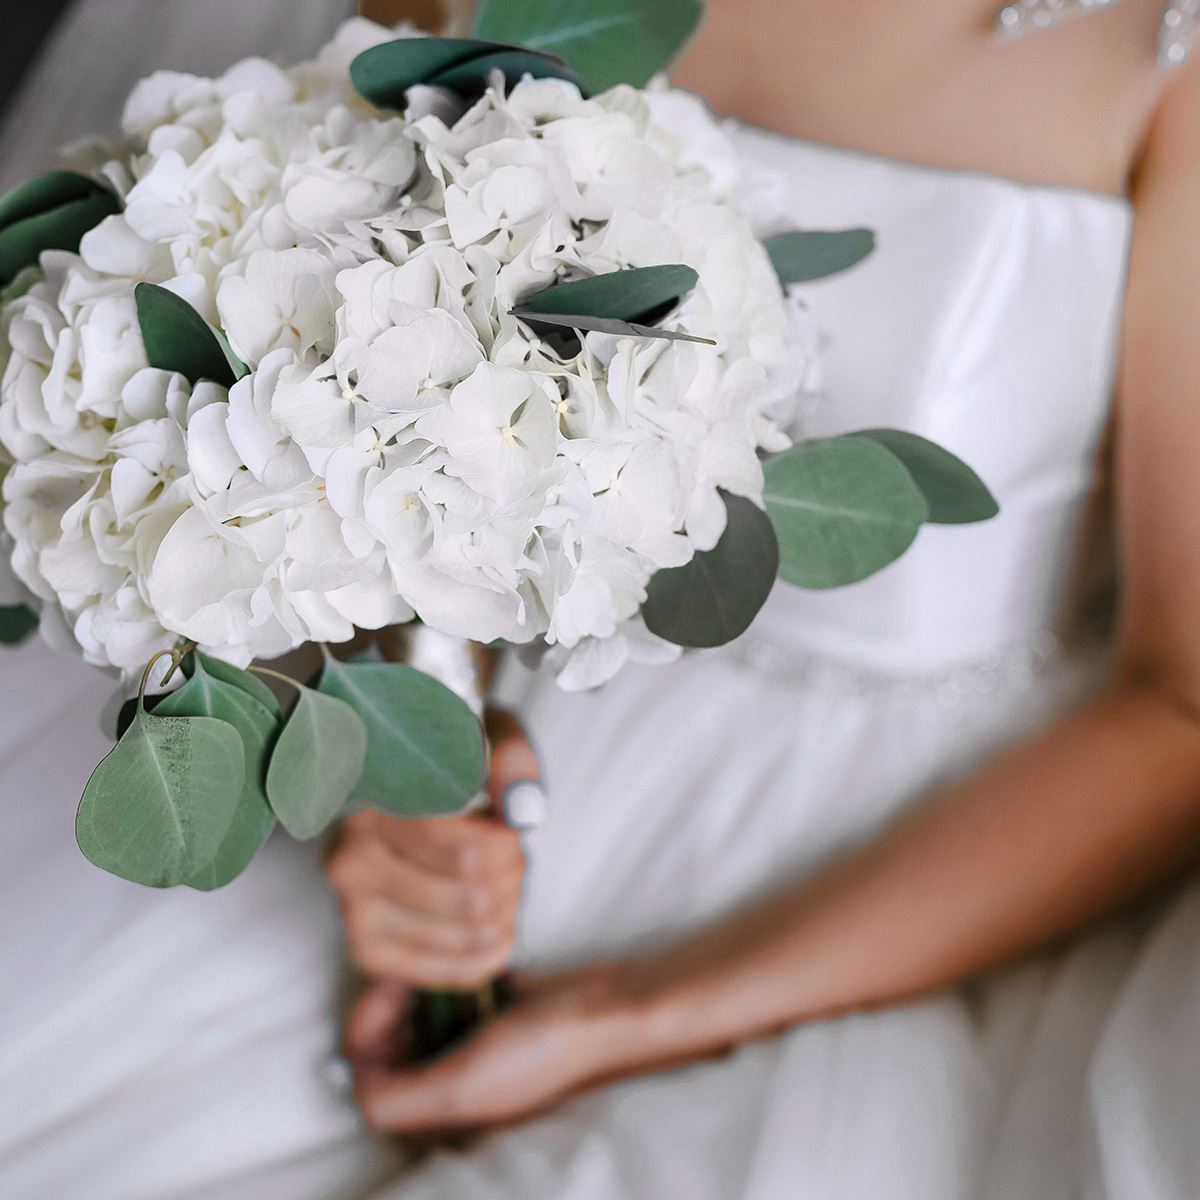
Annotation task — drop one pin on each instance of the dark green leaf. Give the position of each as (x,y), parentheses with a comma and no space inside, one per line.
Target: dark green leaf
(617,295)
(424,744)
(43,193)
(712,599)
(157,809)
(606,325)
(206,695)
(606,41)
(235,677)
(60,228)
(472,77)
(843,508)
(954,493)
(178,338)
(317,763)
(814,254)
(383,74)
(16,624)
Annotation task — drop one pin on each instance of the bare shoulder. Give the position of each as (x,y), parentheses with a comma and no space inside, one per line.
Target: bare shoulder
(1171,150)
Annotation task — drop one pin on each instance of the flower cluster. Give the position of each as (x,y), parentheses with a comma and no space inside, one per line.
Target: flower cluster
(402,444)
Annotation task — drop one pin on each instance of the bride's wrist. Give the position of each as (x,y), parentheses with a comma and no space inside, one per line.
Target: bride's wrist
(642,1016)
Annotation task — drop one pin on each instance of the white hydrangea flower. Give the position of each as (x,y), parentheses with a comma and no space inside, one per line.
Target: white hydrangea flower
(402,443)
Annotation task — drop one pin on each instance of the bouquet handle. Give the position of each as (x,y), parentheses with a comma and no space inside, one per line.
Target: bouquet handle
(441,1017)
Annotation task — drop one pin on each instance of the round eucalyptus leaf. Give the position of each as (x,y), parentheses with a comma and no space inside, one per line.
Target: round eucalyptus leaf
(424,744)
(157,809)
(471,78)
(714,598)
(383,74)
(607,41)
(317,763)
(954,493)
(617,295)
(843,508)
(206,695)
(61,228)
(16,624)
(234,676)
(810,254)
(252,825)
(178,338)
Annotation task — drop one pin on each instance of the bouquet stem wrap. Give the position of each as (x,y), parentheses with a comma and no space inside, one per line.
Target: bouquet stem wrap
(442,1017)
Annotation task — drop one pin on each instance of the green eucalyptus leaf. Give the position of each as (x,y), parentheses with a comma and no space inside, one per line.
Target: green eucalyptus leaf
(16,624)
(43,193)
(239,368)
(178,338)
(206,695)
(157,809)
(23,241)
(843,508)
(954,493)
(317,763)
(234,676)
(471,78)
(806,255)
(622,303)
(631,295)
(607,41)
(606,325)
(713,599)
(424,744)
(383,74)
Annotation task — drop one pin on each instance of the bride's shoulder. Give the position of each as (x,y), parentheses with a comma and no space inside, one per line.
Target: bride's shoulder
(1171,148)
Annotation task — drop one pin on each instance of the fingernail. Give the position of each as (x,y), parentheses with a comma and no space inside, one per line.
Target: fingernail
(526,804)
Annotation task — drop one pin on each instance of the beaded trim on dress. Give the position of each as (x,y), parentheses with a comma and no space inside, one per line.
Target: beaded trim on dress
(1015,668)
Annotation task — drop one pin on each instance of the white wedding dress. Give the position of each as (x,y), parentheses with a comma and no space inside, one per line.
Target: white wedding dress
(178,1045)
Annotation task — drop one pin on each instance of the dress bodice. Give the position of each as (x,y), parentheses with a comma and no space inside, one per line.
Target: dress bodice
(986,320)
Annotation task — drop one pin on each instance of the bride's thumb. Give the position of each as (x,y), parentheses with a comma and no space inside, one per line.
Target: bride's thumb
(516,789)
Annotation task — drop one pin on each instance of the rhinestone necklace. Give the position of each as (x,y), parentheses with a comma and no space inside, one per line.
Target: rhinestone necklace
(1180,22)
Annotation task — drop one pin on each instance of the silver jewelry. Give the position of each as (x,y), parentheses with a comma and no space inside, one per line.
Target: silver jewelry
(1180,28)
(1026,16)
(1178,32)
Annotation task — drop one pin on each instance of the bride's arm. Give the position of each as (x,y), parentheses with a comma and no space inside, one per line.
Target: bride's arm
(1040,840)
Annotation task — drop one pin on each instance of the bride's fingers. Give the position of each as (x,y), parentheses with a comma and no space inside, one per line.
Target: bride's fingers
(374,920)
(461,847)
(411,1100)
(374,1030)
(363,867)
(414,965)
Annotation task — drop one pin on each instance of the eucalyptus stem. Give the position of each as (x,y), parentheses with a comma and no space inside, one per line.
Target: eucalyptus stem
(178,654)
(141,696)
(276,675)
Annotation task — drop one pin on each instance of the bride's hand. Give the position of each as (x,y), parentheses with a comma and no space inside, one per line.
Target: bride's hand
(433,903)
(561,1035)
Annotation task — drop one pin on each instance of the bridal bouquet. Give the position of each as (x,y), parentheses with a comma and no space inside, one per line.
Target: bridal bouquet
(450,331)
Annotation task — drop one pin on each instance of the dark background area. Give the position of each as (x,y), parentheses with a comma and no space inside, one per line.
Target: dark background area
(24,26)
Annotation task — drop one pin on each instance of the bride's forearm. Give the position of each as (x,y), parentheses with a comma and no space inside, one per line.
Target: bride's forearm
(1040,840)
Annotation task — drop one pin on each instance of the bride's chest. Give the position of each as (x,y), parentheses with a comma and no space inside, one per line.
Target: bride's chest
(931,83)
